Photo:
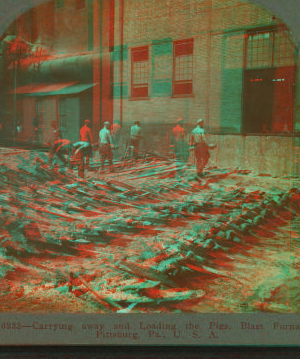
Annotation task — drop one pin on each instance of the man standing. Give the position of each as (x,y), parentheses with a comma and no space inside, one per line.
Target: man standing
(35,139)
(55,136)
(83,147)
(135,137)
(179,145)
(86,136)
(115,135)
(201,147)
(105,145)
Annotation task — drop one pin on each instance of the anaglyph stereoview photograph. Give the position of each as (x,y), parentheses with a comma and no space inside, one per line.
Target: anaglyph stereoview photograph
(149,155)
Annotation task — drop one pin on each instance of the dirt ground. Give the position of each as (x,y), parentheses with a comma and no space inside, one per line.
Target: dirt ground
(143,240)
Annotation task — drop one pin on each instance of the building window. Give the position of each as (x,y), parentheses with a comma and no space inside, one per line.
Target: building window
(80,4)
(59,4)
(139,71)
(269,49)
(62,113)
(259,50)
(283,49)
(40,112)
(183,67)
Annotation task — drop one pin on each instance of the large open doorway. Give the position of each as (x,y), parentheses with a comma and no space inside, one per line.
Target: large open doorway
(268,100)
(268,86)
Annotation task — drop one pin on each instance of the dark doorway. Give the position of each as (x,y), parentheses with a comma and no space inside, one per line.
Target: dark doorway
(268,100)
(258,100)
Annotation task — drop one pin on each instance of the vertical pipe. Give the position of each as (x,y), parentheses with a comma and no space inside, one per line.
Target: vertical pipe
(90,25)
(15,102)
(111,25)
(101,56)
(245,54)
(111,44)
(209,68)
(96,68)
(296,114)
(121,2)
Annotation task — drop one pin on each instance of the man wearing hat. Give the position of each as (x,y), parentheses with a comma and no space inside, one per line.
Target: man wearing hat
(106,145)
(201,148)
(179,145)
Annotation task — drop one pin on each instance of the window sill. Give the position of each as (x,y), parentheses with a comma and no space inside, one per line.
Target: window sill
(183,95)
(138,98)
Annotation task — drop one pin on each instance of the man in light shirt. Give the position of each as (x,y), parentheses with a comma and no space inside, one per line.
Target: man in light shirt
(201,147)
(135,137)
(106,145)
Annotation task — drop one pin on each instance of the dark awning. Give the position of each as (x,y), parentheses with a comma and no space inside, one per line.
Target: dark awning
(73,89)
(35,90)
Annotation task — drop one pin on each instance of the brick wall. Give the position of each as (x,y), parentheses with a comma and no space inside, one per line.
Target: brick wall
(216,93)
(71,28)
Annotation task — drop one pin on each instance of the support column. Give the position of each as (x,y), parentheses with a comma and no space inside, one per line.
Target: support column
(102,101)
(296,124)
(97,78)
(106,100)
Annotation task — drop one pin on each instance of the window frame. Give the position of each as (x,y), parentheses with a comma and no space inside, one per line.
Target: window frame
(39,113)
(176,84)
(62,126)
(272,31)
(142,87)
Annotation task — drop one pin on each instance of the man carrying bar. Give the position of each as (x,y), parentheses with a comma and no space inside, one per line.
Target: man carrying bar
(201,147)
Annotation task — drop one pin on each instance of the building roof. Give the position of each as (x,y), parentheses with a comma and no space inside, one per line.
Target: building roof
(67,88)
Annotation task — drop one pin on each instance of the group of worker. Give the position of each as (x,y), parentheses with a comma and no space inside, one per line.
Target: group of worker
(109,137)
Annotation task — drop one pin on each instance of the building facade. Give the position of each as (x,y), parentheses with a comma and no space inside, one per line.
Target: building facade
(229,62)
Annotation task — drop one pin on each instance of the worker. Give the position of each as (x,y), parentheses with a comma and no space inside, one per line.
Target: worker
(86,136)
(115,135)
(201,147)
(35,139)
(179,145)
(81,150)
(60,148)
(19,128)
(135,138)
(105,145)
(55,136)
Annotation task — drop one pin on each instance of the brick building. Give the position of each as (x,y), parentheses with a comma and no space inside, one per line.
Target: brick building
(229,62)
